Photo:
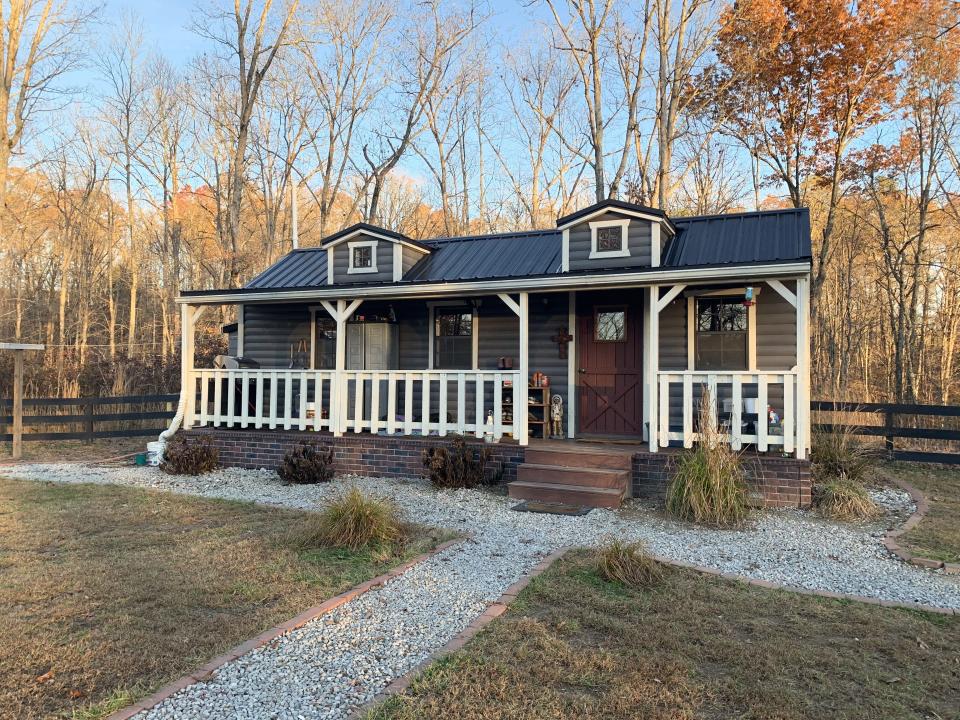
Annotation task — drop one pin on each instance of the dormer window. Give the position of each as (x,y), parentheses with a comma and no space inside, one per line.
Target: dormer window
(608,238)
(363,256)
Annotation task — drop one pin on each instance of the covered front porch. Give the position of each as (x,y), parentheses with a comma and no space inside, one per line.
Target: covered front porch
(626,364)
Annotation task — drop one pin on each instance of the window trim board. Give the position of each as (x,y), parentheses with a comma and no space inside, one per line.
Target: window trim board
(432,306)
(624,251)
(691,335)
(354,244)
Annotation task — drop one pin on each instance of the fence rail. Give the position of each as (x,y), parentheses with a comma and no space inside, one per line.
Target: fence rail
(83,417)
(893,427)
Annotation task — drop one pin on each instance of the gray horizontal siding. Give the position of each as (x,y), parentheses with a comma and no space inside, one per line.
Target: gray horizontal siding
(673,335)
(341,263)
(638,242)
(776,330)
(270,330)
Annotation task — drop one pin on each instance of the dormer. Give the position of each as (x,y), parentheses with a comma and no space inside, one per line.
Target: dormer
(364,253)
(614,234)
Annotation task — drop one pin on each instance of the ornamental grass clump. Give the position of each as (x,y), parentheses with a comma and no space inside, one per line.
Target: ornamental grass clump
(456,465)
(355,522)
(306,465)
(628,564)
(844,499)
(838,454)
(708,486)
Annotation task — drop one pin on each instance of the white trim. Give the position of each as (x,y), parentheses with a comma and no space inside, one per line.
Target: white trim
(376,235)
(691,322)
(609,209)
(541,284)
(330,260)
(313,337)
(510,303)
(565,251)
(752,337)
(803,368)
(240,329)
(655,245)
(784,291)
(524,394)
(624,250)
(397,262)
(653,366)
(355,245)
(572,365)
(668,298)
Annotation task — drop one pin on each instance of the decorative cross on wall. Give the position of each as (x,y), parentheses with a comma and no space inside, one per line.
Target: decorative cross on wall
(562,338)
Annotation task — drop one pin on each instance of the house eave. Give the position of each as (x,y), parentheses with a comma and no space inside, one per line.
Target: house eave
(565,281)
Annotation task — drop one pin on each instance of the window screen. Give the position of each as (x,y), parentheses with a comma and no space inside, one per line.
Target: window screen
(453,340)
(363,256)
(610,239)
(721,334)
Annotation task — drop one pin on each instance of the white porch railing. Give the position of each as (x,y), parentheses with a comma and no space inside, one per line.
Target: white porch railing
(738,407)
(407,402)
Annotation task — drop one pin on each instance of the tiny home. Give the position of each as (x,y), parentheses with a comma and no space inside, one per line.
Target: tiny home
(592,346)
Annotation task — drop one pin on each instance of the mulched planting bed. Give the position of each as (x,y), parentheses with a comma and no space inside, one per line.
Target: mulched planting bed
(108,592)
(573,645)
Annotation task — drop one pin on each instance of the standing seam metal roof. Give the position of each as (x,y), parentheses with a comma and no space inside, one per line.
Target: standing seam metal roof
(742,238)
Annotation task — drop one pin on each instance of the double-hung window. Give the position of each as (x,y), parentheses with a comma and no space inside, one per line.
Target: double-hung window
(363,256)
(721,334)
(452,339)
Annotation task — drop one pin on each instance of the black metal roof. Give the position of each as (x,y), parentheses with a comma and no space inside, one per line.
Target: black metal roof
(737,238)
(614,205)
(732,239)
(367,227)
(300,268)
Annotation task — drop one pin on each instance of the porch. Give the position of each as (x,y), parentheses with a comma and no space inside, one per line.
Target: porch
(623,363)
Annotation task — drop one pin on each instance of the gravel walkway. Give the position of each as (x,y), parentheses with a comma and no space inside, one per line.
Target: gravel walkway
(330,666)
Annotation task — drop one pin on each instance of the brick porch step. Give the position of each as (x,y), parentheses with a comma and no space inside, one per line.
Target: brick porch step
(556,474)
(585,495)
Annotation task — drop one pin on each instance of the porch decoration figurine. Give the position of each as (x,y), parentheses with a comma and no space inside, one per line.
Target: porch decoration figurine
(556,416)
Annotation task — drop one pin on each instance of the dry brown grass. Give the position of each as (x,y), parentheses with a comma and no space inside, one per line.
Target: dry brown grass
(843,499)
(938,534)
(708,485)
(75,450)
(108,592)
(628,564)
(575,646)
(353,521)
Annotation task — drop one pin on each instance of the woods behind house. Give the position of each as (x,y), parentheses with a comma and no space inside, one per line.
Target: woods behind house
(126,175)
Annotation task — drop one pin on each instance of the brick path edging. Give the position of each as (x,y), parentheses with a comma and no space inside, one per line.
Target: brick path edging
(207,670)
(493,611)
(891,536)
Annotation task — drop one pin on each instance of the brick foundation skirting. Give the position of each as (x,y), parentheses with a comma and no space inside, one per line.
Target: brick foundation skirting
(774,481)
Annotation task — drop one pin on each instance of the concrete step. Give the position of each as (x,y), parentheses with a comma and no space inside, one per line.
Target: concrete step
(580,456)
(563,475)
(568,494)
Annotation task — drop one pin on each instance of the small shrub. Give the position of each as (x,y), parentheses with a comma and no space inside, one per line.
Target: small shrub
(353,521)
(306,465)
(456,466)
(628,564)
(708,486)
(838,454)
(843,499)
(181,457)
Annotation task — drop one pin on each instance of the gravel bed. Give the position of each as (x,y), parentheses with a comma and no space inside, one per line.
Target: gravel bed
(332,665)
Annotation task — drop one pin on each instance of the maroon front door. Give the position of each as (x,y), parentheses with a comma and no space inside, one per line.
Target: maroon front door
(610,364)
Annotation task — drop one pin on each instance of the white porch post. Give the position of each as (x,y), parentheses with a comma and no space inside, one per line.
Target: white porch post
(338,419)
(189,314)
(803,367)
(524,367)
(651,391)
(572,364)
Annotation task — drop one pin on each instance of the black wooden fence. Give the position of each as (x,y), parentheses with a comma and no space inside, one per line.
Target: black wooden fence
(932,427)
(90,418)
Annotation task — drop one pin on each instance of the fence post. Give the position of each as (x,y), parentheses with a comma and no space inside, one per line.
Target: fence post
(88,420)
(888,414)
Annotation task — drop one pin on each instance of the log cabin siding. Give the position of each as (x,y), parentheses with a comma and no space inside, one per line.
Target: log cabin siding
(341,262)
(638,242)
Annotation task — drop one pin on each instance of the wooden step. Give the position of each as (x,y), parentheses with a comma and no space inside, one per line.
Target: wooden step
(586,496)
(584,476)
(579,456)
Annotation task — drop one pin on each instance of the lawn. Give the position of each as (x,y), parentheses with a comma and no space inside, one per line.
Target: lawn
(76,450)
(107,592)
(575,646)
(937,536)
